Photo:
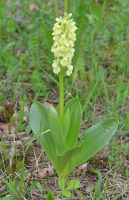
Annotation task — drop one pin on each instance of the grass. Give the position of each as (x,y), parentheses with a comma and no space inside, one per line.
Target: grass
(100,80)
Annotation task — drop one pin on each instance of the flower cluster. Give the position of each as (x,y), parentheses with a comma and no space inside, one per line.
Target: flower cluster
(63,48)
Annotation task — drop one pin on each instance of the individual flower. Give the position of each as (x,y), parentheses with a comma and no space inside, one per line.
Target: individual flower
(56,68)
(69,70)
(64,37)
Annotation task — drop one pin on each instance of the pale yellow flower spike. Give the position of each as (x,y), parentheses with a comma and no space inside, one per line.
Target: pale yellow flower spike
(64,37)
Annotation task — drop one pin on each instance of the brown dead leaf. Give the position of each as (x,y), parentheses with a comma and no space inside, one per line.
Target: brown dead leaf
(49,171)
(26,113)
(83,168)
(2,188)
(3,128)
(36,196)
(90,76)
(9,109)
(96,1)
(33,7)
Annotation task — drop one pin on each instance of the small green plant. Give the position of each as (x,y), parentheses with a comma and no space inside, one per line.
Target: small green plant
(12,187)
(97,193)
(50,196)
(66,190)
(58,132)
(8,197)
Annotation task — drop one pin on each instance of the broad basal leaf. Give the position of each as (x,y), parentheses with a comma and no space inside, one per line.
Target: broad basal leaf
(75,121)
(94,139)
(38,118)
(66,123)
(65,163)
(56,129)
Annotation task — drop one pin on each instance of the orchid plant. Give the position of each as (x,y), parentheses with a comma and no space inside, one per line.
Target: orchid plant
(58,129)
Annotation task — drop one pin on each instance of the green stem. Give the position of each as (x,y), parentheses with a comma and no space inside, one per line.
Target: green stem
(61,93)
(61,80)
(56,7)
(66,6)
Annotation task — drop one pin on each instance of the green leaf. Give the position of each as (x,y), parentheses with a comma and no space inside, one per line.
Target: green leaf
(75,110)
(65,162)
(64,191)
(66,123)
(50,196)
(38,119)
(61,183)
(67,194)
(94,139)
(56,129)
(97,190)
(8,197)
(73,184)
